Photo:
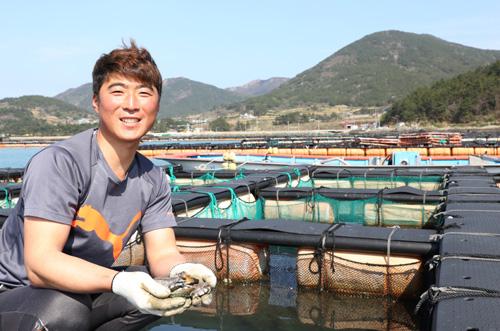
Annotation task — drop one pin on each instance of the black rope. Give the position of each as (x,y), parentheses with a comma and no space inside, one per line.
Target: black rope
(319,252)
(227,241)
(310,202)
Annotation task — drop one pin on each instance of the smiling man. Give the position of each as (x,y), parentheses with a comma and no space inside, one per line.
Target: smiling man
(81,201)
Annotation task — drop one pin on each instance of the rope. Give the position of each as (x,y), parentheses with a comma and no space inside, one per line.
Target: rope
(380,206)
(172,176)
(319,252)
(289,179)
(423,208)
(185,205)
(394,229)
(435,294)
(437,259)
(435,237)
(203,166)
(227,241)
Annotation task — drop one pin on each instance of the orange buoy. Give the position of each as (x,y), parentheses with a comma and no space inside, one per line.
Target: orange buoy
(355,152)
(146,152)
(319,151)
(390,151)
(375,151)
(299,151)
(462,151)
(485,150)
(336,152)
(284,151)
(439,151)
(420,150)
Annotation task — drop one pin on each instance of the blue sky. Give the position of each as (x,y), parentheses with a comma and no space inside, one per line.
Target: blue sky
(48,46)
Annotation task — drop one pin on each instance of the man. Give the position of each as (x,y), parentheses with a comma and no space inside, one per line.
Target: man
(81,201)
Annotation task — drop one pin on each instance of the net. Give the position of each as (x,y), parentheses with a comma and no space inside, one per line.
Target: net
(342,272)
(426,183)
(237,207)
(373,212)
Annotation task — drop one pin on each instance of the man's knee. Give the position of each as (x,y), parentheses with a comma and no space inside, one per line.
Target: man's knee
(66,311)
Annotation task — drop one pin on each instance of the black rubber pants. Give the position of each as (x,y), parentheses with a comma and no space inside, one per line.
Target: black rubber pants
(28,308)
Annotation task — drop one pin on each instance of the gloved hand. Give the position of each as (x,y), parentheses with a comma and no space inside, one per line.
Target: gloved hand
(200,272)
(195,270)
(147,295)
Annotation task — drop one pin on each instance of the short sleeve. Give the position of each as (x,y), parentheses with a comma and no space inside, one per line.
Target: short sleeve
(52,185)
(158,213)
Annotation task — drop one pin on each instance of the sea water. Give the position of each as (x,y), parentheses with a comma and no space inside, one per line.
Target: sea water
(263,307)
(18,157)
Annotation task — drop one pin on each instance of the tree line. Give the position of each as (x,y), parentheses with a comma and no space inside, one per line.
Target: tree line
(470,97)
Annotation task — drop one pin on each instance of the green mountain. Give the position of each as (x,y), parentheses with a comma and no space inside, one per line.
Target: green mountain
(470,97)
(374,71)
(80,96)
(180,97)
(37,114)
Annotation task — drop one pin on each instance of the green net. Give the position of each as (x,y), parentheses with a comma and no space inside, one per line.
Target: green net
(207,179)
(373,212)
(370,212)
(7,200)
(237,207)
(429,183)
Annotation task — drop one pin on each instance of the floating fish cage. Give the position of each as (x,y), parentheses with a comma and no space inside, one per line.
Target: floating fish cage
(266,226)
(408,242)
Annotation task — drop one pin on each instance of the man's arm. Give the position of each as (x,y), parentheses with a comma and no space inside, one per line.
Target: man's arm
(162,251)
(48,267)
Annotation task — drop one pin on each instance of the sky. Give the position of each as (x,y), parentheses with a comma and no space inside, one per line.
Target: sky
(48,47)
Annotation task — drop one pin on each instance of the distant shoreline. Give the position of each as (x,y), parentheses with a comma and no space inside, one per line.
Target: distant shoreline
(36,141)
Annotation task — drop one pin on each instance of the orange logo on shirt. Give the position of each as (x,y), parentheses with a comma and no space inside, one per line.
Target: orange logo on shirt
(94,221)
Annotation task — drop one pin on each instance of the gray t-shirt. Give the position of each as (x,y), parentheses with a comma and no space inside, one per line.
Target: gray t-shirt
(70,182)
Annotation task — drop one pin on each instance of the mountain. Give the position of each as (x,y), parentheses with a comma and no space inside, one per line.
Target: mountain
(79,96)
(470,97)
(33,114)
(374,71)
(258,86)
(180,97)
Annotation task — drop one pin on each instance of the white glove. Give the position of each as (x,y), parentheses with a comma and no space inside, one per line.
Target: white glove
(147,295)
(196,270)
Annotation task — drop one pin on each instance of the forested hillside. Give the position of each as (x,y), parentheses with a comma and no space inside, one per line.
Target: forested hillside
(470,97)
(80,96)
(373,71)
(40,115)
(182,96)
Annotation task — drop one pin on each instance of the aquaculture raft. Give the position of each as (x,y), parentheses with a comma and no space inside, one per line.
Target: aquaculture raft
(445,261)
(466,294)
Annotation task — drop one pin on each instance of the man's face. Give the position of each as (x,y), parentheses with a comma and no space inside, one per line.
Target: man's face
(127,109)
